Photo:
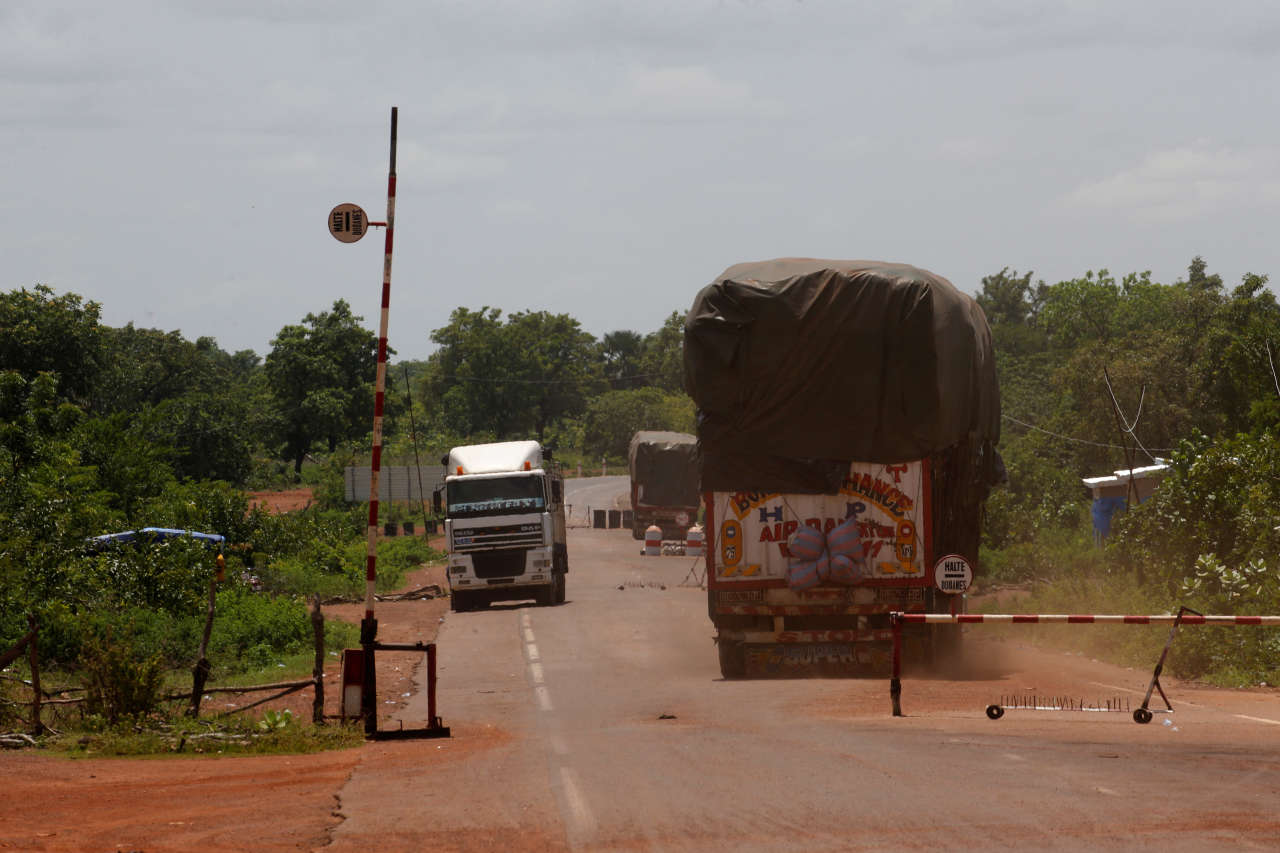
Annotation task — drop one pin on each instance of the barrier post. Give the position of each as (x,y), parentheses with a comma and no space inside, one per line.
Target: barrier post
(432,719)
(1143,714)
(895,681)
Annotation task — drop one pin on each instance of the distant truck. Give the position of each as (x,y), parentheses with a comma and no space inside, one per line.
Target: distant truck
(504,524)
(848,413)
(664,482)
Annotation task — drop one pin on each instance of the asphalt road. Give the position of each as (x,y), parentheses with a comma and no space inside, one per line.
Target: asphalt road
(582,494)
(604,724)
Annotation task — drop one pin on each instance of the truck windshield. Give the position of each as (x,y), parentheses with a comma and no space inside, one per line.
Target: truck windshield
(495,495)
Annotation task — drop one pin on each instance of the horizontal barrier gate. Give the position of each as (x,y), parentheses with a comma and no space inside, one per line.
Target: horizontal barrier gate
(1184,616)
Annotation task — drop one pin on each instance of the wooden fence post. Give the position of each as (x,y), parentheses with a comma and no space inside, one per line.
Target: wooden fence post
(317,626)
(37,727)
(200,674)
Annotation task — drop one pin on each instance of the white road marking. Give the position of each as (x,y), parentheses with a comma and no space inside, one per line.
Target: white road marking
(535,668)
(581,821)
(1012,757)
(1258,719)
(1107,791)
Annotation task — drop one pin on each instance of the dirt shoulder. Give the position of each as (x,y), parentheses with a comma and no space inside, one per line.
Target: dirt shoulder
(208,803)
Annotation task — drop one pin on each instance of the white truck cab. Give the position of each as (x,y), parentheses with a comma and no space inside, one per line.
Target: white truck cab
(504,523)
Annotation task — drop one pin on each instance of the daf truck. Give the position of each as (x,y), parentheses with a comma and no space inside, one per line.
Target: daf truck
(503,506)
(848,413)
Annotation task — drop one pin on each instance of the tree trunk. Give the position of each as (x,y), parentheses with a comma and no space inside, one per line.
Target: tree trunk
(317,626)
(200,674)
(37,727)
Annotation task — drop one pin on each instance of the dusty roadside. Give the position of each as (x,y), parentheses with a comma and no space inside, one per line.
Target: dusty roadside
(210,803)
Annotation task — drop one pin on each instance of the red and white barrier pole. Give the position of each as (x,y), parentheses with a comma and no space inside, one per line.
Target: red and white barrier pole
(1184,616)
(1080,619)
(369,625)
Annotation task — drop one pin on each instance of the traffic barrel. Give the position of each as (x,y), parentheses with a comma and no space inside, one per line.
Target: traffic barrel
(694,542)
(653,541)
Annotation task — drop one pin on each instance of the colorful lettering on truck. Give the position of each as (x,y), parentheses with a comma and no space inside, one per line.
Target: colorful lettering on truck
(768,628)
(750,530)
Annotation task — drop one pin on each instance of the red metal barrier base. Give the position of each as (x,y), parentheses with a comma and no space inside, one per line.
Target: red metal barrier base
(434,728)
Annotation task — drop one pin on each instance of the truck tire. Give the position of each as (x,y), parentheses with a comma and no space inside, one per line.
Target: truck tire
(459,602)
(637,530)
(733,658)
(561,570)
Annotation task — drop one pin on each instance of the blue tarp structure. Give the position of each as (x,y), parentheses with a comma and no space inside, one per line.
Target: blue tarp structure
(1103,511)
(156,534)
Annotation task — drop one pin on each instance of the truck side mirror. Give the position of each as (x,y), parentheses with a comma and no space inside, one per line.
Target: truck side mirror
(436,502)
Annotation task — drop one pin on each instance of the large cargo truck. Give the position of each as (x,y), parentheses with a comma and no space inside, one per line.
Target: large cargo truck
(504,523)
(848,413)
(664,482)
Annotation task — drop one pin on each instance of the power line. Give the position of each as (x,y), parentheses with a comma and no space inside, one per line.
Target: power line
(545,381)
(1076,440)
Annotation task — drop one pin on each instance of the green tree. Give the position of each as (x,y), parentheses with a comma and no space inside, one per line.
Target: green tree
(514,378)
(614,416)
(43,332)
(148,366)
(320,375)
(556,361)
(621,351)
(130,464)
(662,361)
(1220,498)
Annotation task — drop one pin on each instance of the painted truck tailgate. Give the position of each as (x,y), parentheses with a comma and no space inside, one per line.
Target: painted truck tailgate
(751,529)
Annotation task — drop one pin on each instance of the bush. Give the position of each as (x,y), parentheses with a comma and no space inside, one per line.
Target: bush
(1220,498)
(1132,645)
(1229,654)
(1054,553)
(120,683)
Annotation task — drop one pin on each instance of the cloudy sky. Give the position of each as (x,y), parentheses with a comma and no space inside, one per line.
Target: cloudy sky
(175,161)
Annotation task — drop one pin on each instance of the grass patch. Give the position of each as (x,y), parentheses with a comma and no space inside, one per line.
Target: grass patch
(1233,662)
(158,737)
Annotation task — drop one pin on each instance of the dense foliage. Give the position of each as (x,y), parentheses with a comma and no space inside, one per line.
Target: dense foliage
(1192,367)
(105,429)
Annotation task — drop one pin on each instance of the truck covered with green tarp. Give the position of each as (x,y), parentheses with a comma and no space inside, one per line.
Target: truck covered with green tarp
(664,482)
(848,413)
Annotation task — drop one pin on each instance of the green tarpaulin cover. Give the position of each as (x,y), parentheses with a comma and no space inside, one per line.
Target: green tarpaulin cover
(799,366)
(666,465)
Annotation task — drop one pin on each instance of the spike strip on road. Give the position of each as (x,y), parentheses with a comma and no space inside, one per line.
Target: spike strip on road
(1079,619)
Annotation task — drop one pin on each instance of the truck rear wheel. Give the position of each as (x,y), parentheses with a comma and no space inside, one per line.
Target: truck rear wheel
(733,658)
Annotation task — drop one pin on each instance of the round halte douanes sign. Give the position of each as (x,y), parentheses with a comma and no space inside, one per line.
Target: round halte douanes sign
(952,574)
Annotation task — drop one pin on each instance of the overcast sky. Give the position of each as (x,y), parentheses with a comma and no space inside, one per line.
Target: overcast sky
(176,161)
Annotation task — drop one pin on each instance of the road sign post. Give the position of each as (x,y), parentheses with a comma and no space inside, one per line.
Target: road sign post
(348,223)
